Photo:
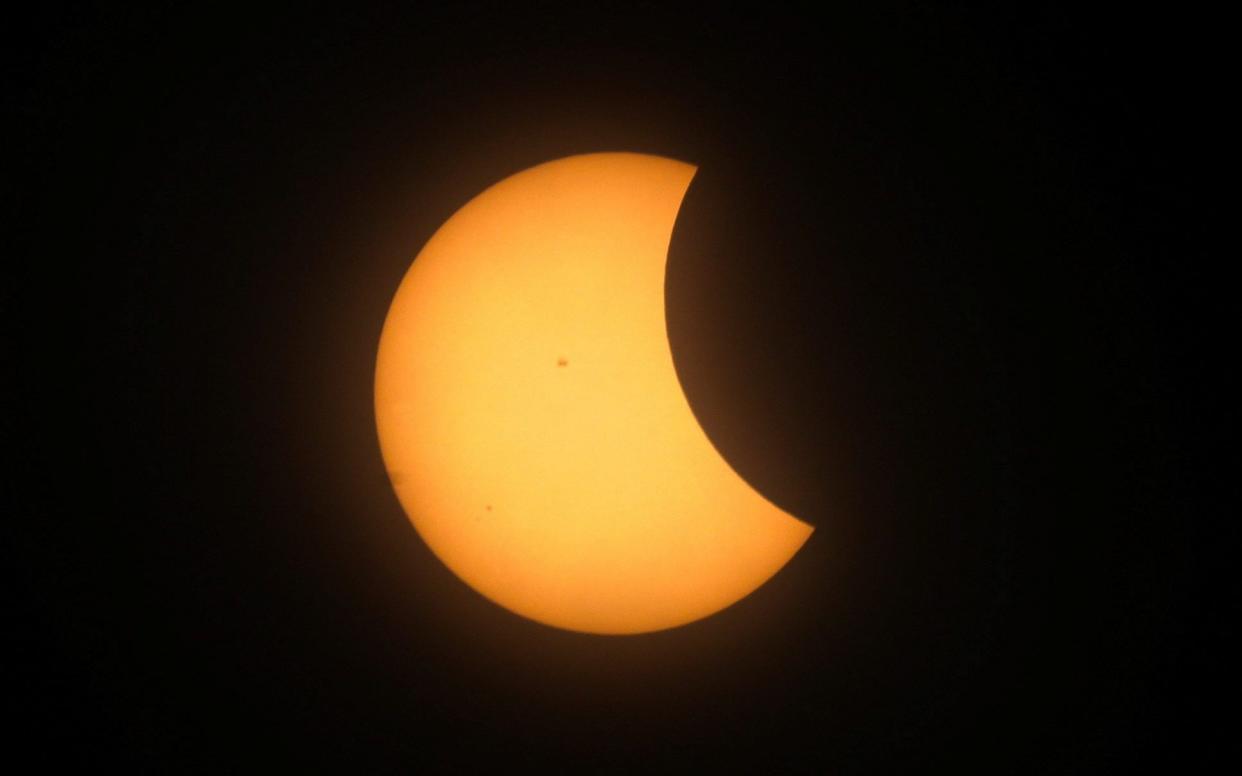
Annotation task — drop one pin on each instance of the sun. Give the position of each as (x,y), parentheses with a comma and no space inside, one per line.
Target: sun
(533,424)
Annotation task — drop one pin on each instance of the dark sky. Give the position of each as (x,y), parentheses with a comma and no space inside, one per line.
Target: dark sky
(941,286)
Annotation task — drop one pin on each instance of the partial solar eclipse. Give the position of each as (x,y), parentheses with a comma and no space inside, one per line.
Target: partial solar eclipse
(531,420)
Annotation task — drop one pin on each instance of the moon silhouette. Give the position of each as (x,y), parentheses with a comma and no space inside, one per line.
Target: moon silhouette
(531,420)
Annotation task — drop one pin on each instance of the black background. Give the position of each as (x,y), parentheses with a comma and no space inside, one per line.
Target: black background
(937,288)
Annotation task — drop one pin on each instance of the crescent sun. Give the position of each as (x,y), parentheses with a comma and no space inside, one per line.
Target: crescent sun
(531,420)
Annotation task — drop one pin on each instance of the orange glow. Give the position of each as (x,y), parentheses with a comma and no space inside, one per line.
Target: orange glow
(531,420)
